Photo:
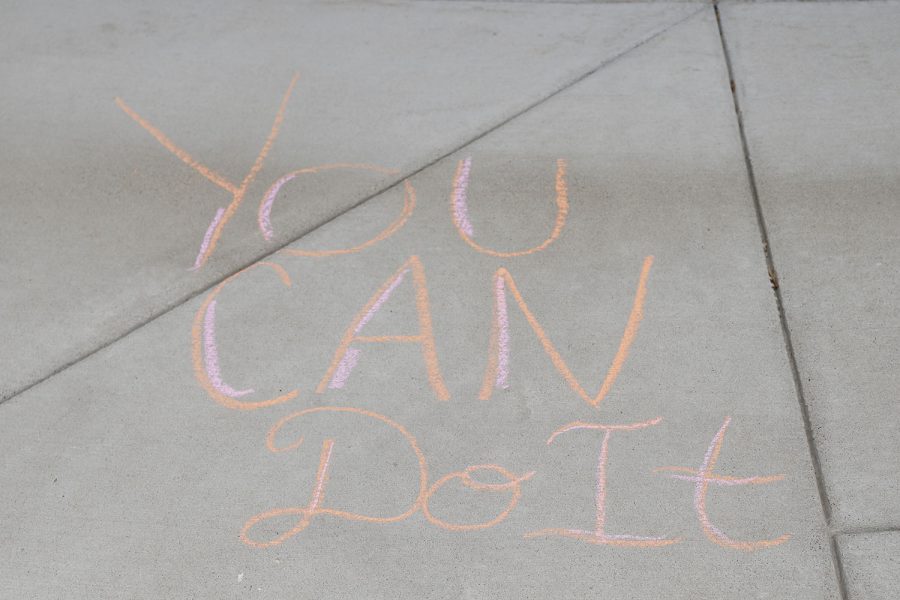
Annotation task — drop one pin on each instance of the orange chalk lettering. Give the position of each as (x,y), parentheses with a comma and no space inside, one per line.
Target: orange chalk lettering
(513,483)
(459,210)
(496,371)
(237,191)
(204,354)
(346,355)
(306,513)
(598,535)
(266,204)
(703,477)
(314,507)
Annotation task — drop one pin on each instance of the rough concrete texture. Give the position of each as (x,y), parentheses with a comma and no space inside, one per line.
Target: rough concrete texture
(101,222)
(872,564)
(814,82)
(130,475)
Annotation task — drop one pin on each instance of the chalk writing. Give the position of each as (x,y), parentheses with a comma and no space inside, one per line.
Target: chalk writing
(513,483)
(496,373)
(214,232)
(208,367)
(265,209)
(460,211)
(501,326)
(341,365)
(314,506)
(208,373)
(205,353)
(460,201)
(212,355)
(306,513)
(352,355)
(703,476)
(598,535)
(207,239)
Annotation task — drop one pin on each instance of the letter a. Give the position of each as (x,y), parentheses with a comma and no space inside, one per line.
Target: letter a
(347,355)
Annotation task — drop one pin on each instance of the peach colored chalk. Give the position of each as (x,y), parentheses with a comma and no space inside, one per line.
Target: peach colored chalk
(264,217)
(334,378)
(513,482)
(351,357)
(314,508)
(306,513)
(211,353)
(598,535)
(204,357)
(496,372)
(703,476)
(459,210)
(237,191)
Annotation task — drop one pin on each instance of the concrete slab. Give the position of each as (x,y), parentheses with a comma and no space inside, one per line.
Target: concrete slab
(150,470)
(101,222)
(871,564)
(817,86)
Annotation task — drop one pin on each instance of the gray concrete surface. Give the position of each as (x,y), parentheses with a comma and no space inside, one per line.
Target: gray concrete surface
(415,413)
(124,477)
(872,561)
(101,222)
(815,82)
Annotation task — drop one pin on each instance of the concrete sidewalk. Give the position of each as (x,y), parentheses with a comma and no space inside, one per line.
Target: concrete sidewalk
(449,300)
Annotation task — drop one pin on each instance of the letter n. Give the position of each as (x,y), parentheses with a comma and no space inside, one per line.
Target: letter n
(496,374)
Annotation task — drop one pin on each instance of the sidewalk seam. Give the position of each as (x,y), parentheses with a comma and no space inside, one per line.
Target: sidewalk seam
(398,181)
(867,530)
(782,315)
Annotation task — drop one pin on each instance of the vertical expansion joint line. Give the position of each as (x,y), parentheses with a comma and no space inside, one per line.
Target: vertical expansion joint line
(782,315)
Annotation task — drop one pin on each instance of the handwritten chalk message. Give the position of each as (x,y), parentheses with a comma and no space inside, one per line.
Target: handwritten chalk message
(349,357)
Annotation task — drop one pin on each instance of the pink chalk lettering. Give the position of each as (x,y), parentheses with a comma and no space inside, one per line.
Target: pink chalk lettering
(704,476)
(211,355)
(598,535)
(207,238)
(460,202)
